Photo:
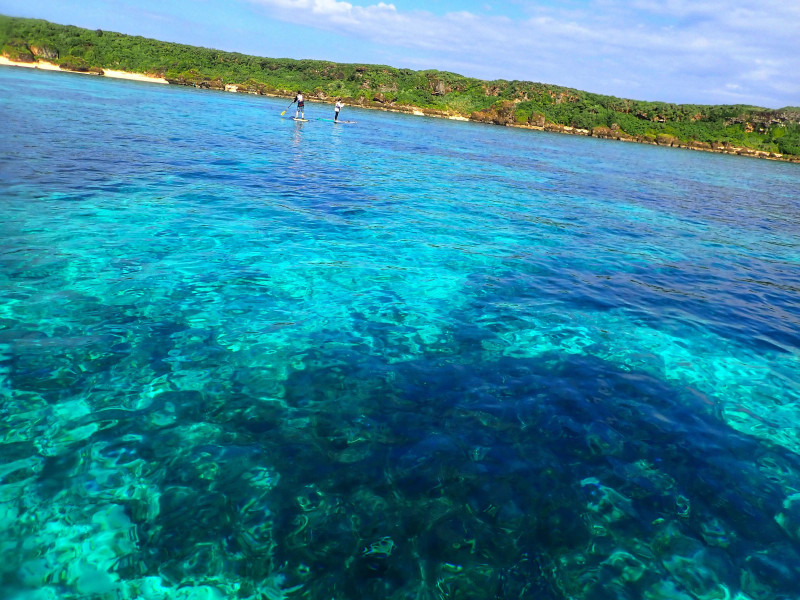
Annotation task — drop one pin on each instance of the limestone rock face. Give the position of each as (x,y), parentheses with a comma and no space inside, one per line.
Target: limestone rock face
(211,84)
(439,88)
(44,52)
(604,132)
(555,127)
(500,113)
(663,139)
(537,119)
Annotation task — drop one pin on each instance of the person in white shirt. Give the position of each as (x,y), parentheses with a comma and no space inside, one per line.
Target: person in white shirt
(301,110)
(336,110)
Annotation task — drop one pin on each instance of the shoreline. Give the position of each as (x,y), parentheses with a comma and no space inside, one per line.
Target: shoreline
(714,148)
(111,73)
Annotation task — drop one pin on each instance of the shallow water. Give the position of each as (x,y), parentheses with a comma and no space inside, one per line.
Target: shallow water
(242,357)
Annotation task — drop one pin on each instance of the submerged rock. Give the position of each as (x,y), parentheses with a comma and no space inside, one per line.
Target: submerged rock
(789,517)
(772,572)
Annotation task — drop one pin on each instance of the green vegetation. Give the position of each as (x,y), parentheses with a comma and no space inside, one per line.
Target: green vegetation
(434,92)
(17,50)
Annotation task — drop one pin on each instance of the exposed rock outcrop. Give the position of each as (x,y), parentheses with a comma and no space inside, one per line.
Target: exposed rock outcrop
(663,139)
(212,84)
(500,113)
(538,120)
(44,52)
(438,87)
(603,132)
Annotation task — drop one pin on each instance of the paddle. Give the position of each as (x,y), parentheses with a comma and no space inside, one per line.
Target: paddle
(287,108)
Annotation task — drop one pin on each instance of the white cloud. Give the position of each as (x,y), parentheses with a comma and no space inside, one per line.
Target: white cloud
(671,49)
(333,11)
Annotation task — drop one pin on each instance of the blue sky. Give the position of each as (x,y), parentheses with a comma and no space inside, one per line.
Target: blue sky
(698,51)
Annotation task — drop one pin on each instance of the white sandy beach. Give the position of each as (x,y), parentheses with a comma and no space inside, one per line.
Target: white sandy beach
(133,76)
(48,66)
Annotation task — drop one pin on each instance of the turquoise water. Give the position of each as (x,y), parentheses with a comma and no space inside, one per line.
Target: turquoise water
(243,357)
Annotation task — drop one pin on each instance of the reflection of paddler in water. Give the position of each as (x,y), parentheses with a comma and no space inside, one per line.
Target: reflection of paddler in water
(297,140)
(301,104)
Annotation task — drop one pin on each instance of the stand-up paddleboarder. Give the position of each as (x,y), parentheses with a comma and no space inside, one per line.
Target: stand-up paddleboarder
(301,105)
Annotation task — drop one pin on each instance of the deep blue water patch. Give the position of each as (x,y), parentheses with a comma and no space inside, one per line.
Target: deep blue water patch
(242,357)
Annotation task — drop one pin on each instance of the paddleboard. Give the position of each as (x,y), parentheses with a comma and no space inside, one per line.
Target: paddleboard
(332,121)
(300,120)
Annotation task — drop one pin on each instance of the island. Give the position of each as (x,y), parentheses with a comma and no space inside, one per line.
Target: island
(732,129)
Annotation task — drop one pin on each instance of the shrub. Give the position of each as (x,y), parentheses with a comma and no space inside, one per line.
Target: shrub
(15,49)
(74,63)
(522,116)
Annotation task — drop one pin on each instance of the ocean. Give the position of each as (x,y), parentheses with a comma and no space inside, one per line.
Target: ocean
(402,358)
